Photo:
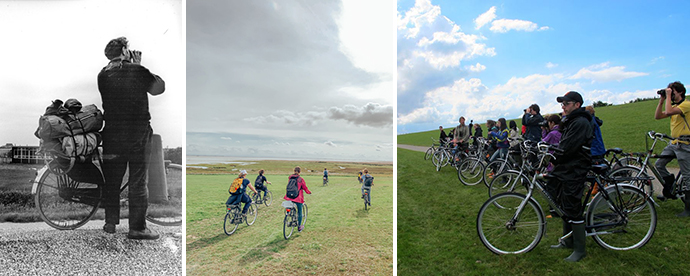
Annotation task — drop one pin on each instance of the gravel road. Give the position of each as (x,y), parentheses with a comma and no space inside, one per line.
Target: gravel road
(38,249)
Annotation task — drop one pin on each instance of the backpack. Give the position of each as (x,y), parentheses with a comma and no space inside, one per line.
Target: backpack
(259,182)
(368,180)
(292,190)
(59,121)
(235,187)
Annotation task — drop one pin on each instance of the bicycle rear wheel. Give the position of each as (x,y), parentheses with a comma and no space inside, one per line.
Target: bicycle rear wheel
(470,171)
(304,213)
(503,235)
(632,228)
(633,176)
(62,202)
(289,225)
(252,213)
(268,198)
(495,168)
(229,226)
(168,212)
(509,181)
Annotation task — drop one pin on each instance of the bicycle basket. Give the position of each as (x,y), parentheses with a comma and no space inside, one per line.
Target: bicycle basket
(288,204)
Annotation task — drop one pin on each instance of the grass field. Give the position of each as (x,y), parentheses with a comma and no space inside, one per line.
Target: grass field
(340,237)
(437,235)
(625,126)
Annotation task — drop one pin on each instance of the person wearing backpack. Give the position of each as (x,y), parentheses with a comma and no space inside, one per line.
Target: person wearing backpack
(294,192)
(237,192)
(359,178)
(325,174)
(259,183)
(367,182)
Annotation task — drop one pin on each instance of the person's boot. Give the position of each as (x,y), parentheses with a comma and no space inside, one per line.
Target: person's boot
(567,243)
(666,192)
(137,225)
(686,212)
(579,236)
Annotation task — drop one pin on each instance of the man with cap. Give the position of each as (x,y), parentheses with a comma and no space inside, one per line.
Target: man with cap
(673,103)
(124,86)
(566,183)
(240,195)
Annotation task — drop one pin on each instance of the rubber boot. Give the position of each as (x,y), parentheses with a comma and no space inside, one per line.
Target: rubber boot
(567,243)
(686,212)
(666,192)
(578,242)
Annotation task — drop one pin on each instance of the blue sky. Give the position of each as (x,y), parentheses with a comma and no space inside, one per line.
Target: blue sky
(489,59)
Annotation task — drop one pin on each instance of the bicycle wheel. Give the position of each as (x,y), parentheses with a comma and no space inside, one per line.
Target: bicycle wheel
(501,234)
(429,152)
(288,225)
(268,198)
(633,176)
(632,228)
(437,159)
(168,212)
(509,181)
(495,168)
(229,226)
(470,171)
(628,161)
(62,202)
(252,213)
(304,214)
(365,200)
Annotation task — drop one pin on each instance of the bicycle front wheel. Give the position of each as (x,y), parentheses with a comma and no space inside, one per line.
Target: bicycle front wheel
(252,213)
(64,203)
(288,226)
(268,198)
(229,226)
(470,171)
(304,214)
(626,221)
(168,211)
(502,234)
(495,168)
(429,152)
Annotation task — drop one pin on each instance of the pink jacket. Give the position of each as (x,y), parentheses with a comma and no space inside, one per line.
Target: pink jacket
(302,187)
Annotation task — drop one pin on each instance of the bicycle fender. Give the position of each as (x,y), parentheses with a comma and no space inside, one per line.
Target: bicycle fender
(39,175)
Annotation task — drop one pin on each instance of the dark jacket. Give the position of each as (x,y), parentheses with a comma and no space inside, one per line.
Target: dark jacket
(598,147)
(574,163)
(531,122)
(442,138)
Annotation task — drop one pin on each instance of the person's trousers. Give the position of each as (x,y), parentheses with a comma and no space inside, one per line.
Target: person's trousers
(299,212)
(682,153)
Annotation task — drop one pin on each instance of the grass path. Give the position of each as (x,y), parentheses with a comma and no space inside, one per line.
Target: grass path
(339,238)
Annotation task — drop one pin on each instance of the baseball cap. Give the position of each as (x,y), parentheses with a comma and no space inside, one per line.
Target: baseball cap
(570,96)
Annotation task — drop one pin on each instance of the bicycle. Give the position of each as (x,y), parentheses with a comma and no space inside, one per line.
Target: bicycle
(291,217)
(367,199)
(68,193)
(431,150)
(267,199)
(325,181)
(234,217)
(619,217)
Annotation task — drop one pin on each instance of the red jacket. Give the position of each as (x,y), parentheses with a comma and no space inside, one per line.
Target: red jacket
(302,187)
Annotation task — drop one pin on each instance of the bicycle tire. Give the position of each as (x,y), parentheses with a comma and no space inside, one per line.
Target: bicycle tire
(228,223)
(627,161)
(498,237)
(437,159)
(495,168)
(508,182)
(287,224)
(639,215)
(268,198)
(629,175)
(64,203)
(429,152)
(365,200)
(470,171)
(304,213)
(167,212)
(252,213)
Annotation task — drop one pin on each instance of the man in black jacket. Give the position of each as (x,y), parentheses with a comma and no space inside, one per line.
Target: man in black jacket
(532,120)
(567,182)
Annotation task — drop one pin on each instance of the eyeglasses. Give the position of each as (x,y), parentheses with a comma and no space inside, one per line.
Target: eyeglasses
(564,104)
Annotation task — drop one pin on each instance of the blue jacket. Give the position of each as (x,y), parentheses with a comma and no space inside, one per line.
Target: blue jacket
(598,147)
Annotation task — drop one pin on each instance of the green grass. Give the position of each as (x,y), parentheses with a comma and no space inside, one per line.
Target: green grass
(625,126)
(339,238)
(437,234)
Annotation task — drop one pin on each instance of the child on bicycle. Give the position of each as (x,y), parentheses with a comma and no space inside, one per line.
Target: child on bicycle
(325,174)
(299,200)
(238,195)
(259,184)
(367,181)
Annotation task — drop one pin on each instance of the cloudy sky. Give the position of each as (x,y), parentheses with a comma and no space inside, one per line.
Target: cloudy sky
(291,79)
(54,50)
(490,59)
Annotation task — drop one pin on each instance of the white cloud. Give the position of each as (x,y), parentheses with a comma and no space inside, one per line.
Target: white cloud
(423,13)
(370,114)
(485,18)
(654,60)
(226,138)
(551,65)
(476,68)
(603,73)
(329,143)
(505,25)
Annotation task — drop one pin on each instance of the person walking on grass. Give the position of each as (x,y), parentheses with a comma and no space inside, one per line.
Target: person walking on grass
(368,182)
(298,191)
(238,193)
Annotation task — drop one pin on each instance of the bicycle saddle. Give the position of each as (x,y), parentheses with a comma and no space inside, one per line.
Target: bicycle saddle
(600,168)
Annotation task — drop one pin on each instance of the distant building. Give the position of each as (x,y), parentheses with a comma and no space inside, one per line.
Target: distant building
(20,154)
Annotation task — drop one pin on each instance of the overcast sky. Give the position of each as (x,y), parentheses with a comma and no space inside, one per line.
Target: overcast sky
(54,50)
(291,79)
(491,59)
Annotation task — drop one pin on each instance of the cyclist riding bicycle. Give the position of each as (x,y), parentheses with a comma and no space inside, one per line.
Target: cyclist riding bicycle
(368,181)
(237,192)
(325,174)
(259,184)
(359,177)
(299,199)
(674,105)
